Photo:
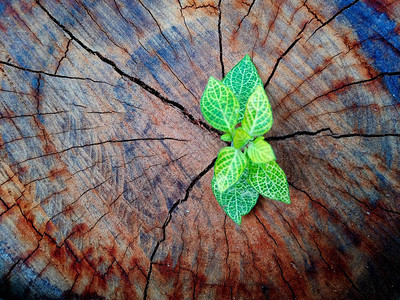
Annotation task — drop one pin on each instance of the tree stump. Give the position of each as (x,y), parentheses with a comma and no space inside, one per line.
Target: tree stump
(106,160)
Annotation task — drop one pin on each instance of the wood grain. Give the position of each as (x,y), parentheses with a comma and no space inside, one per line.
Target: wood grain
(106,161)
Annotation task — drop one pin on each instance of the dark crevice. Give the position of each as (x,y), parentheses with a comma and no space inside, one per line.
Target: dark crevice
(397,73)
(194,6)
(176,76)
(319,250)
(8,208)
(291,229)
(389,210)
(68,294)
(265,229)
(226,241)
(340,136)
(123,17)
(260,277)
(352,283)
(6,276)
(33,115)
(94,225)
(101,29)
(298,38)
(137,81)
(331,135)
(318,70)
(155,20)
(320,204)
(64,56)
(220,39)
(184,20)
(312,12)
(333,17)
(42,135)
(37,93)
(295,134)
(102,143)
(53,75)
(227,248)
(105,112)
(248,12)
(168,220)
(283,277)
(15,92)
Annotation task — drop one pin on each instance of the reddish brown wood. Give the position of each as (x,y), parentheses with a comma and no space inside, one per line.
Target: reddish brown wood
(106,161)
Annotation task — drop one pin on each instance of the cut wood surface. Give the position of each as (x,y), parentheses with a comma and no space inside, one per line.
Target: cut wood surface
(106,161)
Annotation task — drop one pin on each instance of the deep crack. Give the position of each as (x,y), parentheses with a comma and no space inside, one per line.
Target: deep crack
(248,12)
(331,135)
(102,143)
(168,220)
(298,38)
(220,39)
(396,73)
(283,277)
(52,75)
(333,17)
(137,81)
(64,56)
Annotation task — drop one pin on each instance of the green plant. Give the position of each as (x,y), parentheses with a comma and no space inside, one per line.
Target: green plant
(247,168)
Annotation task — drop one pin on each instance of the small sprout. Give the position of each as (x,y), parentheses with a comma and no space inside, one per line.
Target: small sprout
(239,106)
(226,137)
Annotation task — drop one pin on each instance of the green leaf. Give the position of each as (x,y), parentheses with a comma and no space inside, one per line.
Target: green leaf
(270,181)
(243,80)
(258,114)
(260,151)
(229,166)
(241,138)
(238,200)
(226,137)
(219,106)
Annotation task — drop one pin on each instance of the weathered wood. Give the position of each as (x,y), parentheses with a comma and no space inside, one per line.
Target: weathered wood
(106,161)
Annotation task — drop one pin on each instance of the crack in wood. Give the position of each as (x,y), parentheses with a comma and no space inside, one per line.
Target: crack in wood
(265,229)
(137,81)
(168,220)
(176,76)
(194,6)
(352,283)
(396,73)
(317,70)
(63,57)
(184,20)
(282,276)
(248,12)
(220,40)
(298,38)
(102,143)
(123,17)
(331,135)
(333,17)
(296,134)
(34,115)
(318,248)
(48,134)
(7,275)
(158,25)
(53,75)
(291,228)
(312,12)
(101,29)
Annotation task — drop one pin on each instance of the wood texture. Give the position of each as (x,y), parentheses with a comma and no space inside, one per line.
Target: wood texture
(106,161)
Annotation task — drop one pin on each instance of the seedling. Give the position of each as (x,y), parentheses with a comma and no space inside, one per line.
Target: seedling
(239,106)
